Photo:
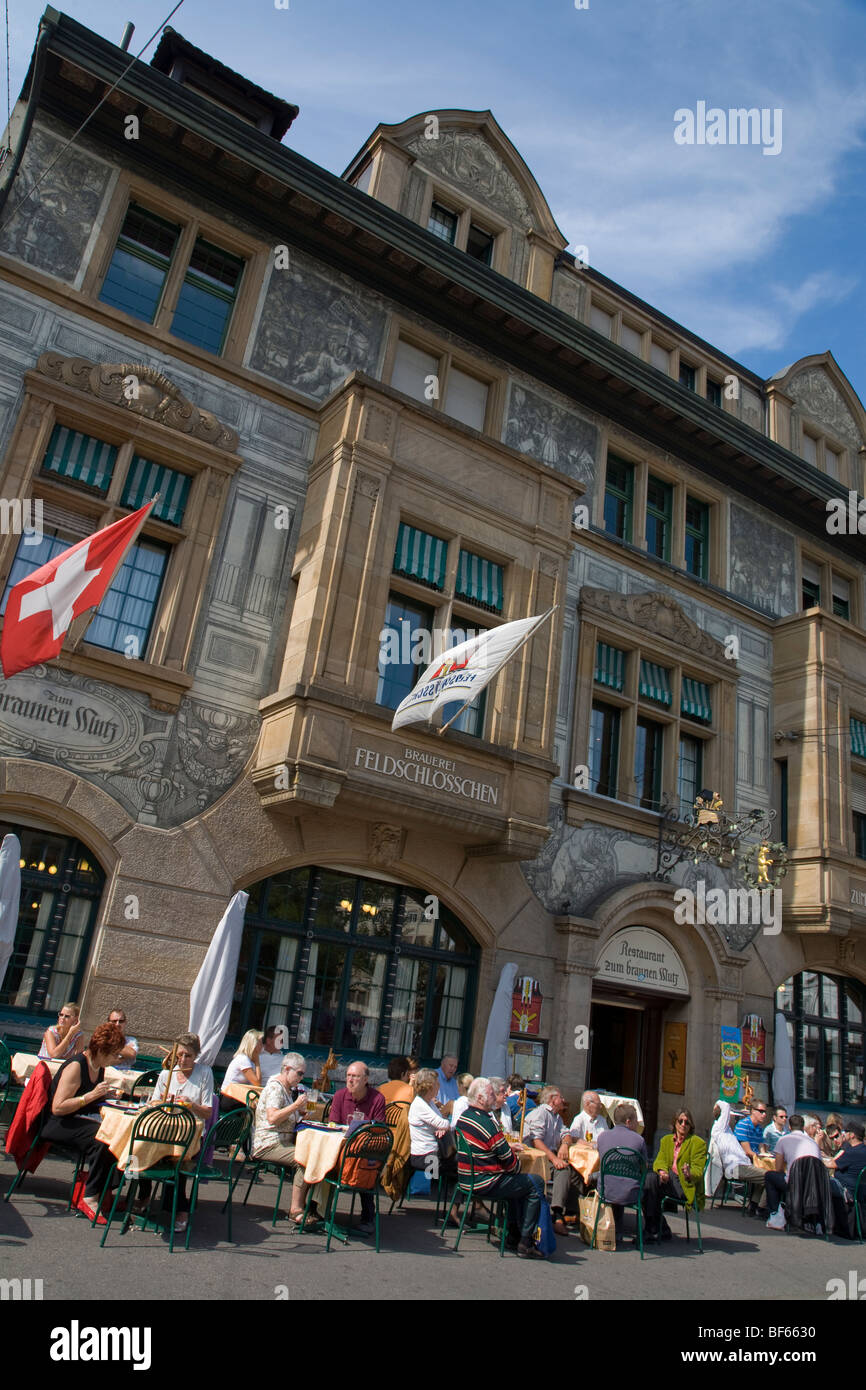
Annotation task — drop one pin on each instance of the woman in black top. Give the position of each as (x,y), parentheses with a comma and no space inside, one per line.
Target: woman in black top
(76,1092)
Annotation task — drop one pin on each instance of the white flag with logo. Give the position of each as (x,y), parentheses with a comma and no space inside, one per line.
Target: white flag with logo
(462,672)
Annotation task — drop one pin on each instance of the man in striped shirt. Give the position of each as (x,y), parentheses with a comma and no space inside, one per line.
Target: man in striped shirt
(497,1168)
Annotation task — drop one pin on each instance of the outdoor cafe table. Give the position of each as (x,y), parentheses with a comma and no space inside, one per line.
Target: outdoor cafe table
(585,1159)
(24,1065)
(239,1090)
(116,1131)
(534,1161)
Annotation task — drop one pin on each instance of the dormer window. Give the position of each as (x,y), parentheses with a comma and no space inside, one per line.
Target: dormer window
(443,223)
(479,245)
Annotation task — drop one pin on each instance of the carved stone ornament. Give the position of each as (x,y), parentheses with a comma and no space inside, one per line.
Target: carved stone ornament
(846,948)
(141,390)
(655,613)
(385,842)
(367,484)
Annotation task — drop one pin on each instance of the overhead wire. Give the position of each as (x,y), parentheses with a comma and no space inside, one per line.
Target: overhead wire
(88,118)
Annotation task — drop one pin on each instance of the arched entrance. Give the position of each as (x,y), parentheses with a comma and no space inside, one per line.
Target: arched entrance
(370,966)
(61,888)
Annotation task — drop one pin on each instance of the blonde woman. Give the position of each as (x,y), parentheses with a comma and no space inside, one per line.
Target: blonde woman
(427,1127)
(464,1081)
(243,1069)
(62,1040)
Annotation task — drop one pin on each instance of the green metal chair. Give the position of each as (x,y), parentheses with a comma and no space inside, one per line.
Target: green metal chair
(56,1151)
(10,1092)
(145,1082)
(228,1134)
(687,1206)
(730,1186)
(370,1144)
(859,1197)
(167,1124)
(622,1163)
(259,1166)
(466,1185)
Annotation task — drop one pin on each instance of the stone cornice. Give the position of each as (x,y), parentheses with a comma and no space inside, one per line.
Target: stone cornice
(658,614)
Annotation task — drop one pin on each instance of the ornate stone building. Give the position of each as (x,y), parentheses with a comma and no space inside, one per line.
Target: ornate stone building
(379,408)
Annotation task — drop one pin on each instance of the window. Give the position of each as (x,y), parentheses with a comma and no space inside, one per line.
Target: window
(144,257)
(420,556)
(471,721)
(809,449)
(252,560)
(753,733)
(619,498)
(661,358)
(648,750)
(714,392)
(811,584)
(654,683)
(690,773)
(601,321)
(697,537)
(354,963)
(820,581)
(437,381)
(841,597)
(402,660)
(832,462)
(479,581)
(631,339)
(824,1014)
(61,887)
(443,223)
(479,245)
(77,458)
(688,376)
(860,835)
(365,178)
(604,749)
(858,738)
(659,511)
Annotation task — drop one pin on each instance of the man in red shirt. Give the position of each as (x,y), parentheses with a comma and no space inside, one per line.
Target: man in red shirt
(357,1099)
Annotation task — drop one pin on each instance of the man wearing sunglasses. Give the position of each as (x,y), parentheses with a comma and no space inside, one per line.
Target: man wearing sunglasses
(126,1061)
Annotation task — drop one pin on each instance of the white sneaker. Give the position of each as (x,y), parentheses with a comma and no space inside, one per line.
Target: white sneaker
(777,1221)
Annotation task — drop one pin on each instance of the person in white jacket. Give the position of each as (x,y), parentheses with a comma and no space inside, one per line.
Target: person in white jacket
(729,1159)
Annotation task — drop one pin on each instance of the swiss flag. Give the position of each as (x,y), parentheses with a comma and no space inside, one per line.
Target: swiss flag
(42,606)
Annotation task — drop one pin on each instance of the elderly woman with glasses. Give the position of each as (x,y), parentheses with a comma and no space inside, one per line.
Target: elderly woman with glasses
(280,1109)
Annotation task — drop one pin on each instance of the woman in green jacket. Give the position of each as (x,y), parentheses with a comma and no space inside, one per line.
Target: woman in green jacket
(678,1171)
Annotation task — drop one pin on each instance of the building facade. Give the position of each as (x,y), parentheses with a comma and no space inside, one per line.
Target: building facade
(380,411)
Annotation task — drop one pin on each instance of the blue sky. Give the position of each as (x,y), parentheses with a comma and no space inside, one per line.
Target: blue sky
(761,255)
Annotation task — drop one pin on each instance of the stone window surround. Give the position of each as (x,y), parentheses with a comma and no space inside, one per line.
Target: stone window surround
(829,569)
(824,443)
(666,472)
(720,675)
(164,675)
(401,330)
(133,189)
(468,211)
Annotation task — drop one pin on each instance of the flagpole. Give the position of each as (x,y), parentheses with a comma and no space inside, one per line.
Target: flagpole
(528,638)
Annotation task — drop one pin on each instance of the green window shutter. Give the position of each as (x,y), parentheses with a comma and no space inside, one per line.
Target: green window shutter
(609,666)
(77,456)
(695,700)
(479,581)
(420,556)
(858,738)
(655,683)
(146,478)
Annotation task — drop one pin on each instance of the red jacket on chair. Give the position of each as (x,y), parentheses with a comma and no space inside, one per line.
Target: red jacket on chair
(25,1121)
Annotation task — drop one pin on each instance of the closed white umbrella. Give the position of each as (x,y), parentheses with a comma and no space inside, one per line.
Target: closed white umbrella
(210,998)
(10,897)
(784,1085)
(494,1060)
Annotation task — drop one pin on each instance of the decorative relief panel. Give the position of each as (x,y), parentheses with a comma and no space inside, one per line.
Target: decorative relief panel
(762,562)
(551,434)
(467,159)
(818,398)
(651,612)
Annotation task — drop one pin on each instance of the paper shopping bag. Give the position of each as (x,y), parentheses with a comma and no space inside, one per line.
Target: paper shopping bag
(605,1235)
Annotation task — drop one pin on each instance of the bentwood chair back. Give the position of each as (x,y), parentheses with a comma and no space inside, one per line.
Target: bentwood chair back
(227,1134)
(145,1082)
(166,1124)
(10,1093)
(362,1158)
(622,1163)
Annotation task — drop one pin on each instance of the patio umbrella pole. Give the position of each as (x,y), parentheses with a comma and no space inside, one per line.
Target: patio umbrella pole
(522,1114)
(172,1060)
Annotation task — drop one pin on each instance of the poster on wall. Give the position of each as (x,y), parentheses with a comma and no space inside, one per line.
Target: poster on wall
(526,1007)
(754,1041)
(732,1056)
(674,1058)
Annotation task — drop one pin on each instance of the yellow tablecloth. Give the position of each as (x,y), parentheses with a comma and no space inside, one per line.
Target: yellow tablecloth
(534,1161)
(239,1090)
(317,1151)
(764,1161)
(116,1131)
(584,1159)
(24,1065)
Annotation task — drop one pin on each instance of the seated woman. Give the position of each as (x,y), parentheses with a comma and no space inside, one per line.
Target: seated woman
(464,1081)
(64,1038)
(279,1111)
(243,1069)
(192,1083)
(426,1128)
(76,1092)
(829,1137)
(678,1171)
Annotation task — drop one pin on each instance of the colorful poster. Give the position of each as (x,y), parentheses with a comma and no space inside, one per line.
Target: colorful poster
(754,1041)
(674,1058)
(526,1006)
(732,1057)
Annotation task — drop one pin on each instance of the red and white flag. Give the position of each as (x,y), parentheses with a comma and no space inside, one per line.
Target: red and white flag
(42,606)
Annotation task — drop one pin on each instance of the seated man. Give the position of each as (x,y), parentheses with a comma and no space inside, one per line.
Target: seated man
(798,1144)
(590,1121)
(619,1191)
(497,1169)
(733,1160)
(848,1165)
(397,1087)
(749,1131)
(271,1057)
(545,1130)
(357,1101)
(280,1108)
(129,1051)
(449,1088)
(778,1126)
